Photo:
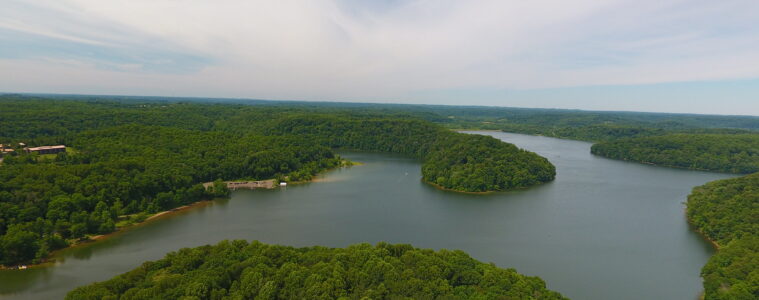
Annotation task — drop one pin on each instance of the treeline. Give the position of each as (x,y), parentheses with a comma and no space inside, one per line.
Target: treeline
(132,169)
(730,153)
(479,163)
(38,120)
(598,132)
(727,212)
(705,142)
(602,132)
(456,161)
(594,126)
(198,113)
(241,270)
(132,159)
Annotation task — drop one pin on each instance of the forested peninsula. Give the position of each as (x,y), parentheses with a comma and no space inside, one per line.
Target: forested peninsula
(129,159)
(455,161)
(242,270)
(727,212)
(729,153)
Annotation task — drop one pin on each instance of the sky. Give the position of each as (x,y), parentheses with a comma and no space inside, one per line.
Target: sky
(696,56)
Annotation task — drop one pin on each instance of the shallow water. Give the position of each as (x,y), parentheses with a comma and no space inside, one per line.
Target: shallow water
(603,229)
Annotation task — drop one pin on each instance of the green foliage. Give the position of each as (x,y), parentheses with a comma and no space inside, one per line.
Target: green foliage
(726,209)
(593,132)
(405,136)
(733,273)
(732,153)
(37,120)
(131,169)
(481,163)
(241,270)
(142,157)
(589,125)
(727,212)
(461,162)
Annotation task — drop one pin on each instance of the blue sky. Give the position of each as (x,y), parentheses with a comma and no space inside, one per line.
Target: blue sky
(670,55)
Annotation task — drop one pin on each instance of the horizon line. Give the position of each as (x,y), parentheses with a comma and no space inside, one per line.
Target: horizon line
(4,93)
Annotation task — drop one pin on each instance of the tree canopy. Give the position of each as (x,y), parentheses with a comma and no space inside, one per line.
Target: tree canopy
(129,159)
(727,212)
(461,162)
(132,169)
(730,153)
(242,270)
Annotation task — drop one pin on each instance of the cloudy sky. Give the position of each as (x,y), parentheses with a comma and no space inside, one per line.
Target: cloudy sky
(665,55)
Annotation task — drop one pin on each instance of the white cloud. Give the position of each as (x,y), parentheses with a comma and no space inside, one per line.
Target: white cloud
(349,50)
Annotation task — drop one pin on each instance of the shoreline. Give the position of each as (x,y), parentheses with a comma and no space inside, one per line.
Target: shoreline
(50,259)
(487,130)
(442,188)
(703,236)
(668,166)
(439,187)
(319,177)
(695,229)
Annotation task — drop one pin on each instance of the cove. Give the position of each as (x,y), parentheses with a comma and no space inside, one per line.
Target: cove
(604,229)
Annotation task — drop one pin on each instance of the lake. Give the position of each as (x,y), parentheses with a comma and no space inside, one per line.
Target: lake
(604,229)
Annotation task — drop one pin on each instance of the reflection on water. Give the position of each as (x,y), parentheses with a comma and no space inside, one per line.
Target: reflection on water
(603,229)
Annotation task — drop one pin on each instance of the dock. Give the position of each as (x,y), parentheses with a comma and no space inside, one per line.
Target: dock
(233,185)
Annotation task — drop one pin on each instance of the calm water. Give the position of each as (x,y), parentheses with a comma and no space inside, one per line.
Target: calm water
(603,230)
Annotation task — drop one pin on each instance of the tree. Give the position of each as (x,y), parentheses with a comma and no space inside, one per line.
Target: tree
(19,245)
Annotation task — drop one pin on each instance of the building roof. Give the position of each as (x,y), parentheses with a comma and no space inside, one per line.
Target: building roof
(46,148)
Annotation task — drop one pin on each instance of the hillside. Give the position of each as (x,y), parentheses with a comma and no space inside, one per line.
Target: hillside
(727,212)
(729,153)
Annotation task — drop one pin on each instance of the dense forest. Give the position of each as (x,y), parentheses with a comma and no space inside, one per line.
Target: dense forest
(132,156)
(727,212)
(562,123)
(131,169)
(730,153)
(594,126)
(127,160)
(455,161)
(241,270)
(481,163)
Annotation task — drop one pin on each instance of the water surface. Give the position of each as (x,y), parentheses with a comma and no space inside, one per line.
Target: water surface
(603,229)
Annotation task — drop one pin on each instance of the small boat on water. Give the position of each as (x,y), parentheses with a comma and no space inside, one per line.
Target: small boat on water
(22,267)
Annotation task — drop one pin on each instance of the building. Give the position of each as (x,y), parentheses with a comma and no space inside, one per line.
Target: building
(233,185)
(5,149)
(46,149)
